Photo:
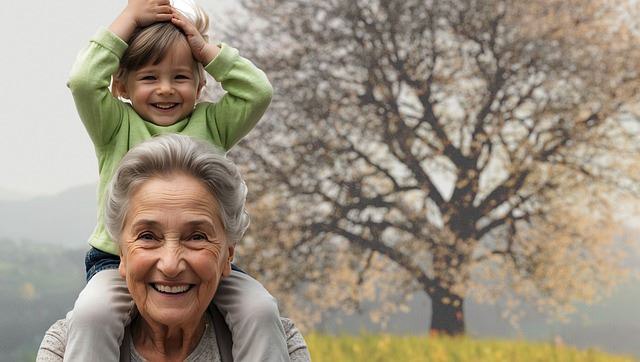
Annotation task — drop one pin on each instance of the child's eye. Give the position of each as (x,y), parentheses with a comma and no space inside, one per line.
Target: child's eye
(148,77)
(182,77)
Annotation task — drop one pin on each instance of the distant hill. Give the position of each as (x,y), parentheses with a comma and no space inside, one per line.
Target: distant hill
(38,285)
(67,218)
(10,195)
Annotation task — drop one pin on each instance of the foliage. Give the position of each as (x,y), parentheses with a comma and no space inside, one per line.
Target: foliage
(373,348)
(38,284)
(458,148)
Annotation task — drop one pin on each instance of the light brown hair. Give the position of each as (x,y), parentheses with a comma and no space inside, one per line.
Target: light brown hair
(150,45)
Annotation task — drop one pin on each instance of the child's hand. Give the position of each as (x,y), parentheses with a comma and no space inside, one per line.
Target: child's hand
(147,12)
(202,51)
(140,13)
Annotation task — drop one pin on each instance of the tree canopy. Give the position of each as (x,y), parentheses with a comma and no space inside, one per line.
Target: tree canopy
(454,147)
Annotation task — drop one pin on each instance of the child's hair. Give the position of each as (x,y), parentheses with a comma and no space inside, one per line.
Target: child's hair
(151,44)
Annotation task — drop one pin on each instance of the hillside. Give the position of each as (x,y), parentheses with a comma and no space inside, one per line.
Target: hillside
(63,219)
(38,284)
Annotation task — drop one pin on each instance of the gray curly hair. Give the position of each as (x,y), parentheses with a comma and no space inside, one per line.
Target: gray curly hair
(172,153)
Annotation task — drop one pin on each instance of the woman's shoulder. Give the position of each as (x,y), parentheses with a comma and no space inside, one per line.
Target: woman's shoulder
(296,344)
(53,344)
(54,341)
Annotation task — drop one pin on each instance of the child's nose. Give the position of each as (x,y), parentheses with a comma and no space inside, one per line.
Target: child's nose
(165,87)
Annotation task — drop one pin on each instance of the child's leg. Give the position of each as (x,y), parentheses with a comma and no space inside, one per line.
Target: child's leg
(253,318)
(99,316)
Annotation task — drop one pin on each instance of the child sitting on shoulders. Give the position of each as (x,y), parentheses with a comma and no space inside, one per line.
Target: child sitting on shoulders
(157,58)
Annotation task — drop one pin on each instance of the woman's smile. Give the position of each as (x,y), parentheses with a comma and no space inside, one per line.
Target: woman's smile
(168,289)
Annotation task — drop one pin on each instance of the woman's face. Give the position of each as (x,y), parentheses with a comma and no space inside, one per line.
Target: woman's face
(174,250)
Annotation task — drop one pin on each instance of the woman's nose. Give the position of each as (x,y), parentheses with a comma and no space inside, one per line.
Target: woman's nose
(171,263)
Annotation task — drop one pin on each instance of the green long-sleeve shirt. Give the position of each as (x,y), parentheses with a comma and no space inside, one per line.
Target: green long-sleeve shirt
(114,127)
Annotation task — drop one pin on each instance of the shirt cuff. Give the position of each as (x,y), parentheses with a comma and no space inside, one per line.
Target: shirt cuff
(110,41)
(222,63)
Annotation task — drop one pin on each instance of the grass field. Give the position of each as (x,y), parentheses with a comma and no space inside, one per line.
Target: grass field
(374,348)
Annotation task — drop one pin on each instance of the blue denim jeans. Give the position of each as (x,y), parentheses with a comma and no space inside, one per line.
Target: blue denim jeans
(97,260)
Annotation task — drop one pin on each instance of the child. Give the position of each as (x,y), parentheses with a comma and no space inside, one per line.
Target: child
(156,57)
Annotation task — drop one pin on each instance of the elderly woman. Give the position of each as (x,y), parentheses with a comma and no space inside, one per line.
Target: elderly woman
(176,206)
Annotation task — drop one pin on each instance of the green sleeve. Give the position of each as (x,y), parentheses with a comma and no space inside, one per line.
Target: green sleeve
(100,112)
(248,94)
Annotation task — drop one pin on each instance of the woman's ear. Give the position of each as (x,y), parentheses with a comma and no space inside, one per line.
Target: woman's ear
(122,268)
(227,264)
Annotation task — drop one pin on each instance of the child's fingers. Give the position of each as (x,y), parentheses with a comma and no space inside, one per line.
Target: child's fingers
(162,3)
(180,21)
(163,13)
(164,10)
(162,17)
(178,15)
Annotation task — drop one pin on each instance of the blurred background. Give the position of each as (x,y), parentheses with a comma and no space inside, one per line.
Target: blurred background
(426,168)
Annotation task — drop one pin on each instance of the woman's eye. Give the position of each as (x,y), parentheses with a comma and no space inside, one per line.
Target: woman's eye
(199,237)
(146,236)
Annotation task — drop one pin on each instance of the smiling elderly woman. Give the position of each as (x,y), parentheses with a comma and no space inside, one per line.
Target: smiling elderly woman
(176,206)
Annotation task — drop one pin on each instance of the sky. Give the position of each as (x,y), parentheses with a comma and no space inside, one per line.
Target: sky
(44,148)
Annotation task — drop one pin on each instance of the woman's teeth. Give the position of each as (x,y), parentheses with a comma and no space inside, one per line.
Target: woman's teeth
(171,289)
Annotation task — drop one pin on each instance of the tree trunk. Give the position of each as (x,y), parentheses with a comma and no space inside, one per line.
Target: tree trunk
(447,314)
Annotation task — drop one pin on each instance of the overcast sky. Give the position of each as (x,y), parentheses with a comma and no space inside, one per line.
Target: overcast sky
(44,148)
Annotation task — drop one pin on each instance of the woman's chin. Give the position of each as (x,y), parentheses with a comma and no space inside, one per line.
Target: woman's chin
(171,317)
(172,309)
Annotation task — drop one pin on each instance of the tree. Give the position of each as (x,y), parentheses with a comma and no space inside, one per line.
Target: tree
(455,147)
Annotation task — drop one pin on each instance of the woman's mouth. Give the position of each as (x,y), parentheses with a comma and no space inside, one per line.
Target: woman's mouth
(171,289)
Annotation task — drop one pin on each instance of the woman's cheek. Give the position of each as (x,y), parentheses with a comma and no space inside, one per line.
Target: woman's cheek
(139,261)
(205,265)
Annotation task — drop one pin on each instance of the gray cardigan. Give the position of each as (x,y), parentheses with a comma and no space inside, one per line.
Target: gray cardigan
(55,339)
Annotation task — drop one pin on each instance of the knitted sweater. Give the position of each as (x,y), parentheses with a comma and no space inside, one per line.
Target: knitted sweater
(55,339)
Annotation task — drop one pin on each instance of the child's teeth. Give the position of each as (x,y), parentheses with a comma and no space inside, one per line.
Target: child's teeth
(165,106)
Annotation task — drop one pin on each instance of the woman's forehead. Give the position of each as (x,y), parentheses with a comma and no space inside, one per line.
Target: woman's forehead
(174,183)
(177,195)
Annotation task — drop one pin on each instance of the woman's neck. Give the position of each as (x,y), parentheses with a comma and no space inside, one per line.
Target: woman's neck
(158,342)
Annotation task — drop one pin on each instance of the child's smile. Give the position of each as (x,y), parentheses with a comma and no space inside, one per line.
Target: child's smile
(166,92)
(165,106)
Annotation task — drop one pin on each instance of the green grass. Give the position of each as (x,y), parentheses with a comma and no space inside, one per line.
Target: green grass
(374,348)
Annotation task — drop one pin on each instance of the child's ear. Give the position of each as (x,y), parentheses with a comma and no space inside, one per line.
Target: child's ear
(119,90)
(201,85)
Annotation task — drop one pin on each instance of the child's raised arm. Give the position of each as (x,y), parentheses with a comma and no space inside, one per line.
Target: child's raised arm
(90,77)
(138,14)
(248,91)
(202,51)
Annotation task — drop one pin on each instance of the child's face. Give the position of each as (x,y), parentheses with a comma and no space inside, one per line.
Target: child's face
(164,93)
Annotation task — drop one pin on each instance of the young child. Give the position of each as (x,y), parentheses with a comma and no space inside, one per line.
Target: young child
(157,58)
